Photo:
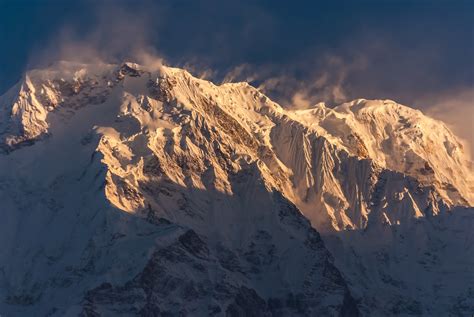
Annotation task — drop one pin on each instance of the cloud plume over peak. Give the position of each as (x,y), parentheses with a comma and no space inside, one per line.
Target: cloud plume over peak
(114,34)
(456,109)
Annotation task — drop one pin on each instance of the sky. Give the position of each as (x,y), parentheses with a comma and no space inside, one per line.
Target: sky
(419,53)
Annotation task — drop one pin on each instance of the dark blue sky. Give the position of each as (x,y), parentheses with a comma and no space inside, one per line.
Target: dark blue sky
(402,50)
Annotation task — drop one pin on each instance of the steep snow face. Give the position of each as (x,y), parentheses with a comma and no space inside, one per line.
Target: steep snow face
(67,86)
(224,172)
(398,138)
(422,268)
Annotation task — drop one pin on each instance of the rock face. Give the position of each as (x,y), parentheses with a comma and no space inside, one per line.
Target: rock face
(134,192)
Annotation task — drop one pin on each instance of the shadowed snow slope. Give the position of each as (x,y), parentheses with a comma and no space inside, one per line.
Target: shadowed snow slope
(128,191)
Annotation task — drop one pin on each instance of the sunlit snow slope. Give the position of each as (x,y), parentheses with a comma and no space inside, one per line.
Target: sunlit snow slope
(126,190)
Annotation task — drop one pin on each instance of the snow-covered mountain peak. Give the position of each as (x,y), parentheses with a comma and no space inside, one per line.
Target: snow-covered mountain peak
(393,136)
(398,138)
(177,191)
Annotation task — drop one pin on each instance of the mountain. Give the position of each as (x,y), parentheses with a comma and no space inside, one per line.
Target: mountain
(132,190)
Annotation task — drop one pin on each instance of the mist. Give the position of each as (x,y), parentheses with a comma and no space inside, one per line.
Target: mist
(456,109)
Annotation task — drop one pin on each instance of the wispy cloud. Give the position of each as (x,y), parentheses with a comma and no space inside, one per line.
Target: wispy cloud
(456,109)
(115,34)
(303,84)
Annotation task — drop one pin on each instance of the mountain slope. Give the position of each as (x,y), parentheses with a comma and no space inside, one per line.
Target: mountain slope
(204,186)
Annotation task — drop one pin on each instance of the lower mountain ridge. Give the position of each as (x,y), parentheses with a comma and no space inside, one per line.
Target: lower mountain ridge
(128,190)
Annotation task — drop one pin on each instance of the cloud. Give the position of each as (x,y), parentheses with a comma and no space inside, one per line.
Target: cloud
(456,109)
(328,82)
(115,33)
(303,84)
(197,68)
(243,72)
(148,58)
